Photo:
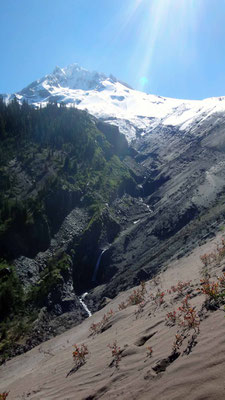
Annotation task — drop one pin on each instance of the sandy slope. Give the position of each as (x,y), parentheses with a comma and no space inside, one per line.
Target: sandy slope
(41,374)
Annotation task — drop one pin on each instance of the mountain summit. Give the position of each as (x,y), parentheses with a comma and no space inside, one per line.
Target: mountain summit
(107,98)
(71,77)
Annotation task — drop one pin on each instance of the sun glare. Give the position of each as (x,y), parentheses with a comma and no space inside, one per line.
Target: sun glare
(169,23)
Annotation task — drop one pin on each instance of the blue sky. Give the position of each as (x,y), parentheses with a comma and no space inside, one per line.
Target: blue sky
(173,48)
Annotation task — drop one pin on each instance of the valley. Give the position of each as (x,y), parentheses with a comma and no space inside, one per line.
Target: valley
(102,188)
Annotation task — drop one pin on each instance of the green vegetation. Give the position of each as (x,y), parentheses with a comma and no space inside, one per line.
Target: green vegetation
(50,278)
(11,292)
(52,159)
(14,318)
(18,310)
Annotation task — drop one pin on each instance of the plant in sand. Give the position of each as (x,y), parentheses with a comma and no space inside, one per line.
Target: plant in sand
(217,255)
(206,259)
(149,351)
(143,288)
(116,354)
(4,395)
(99,327)
(179,338)
(180,287)
(188,318)
(79,354)
(213,290)
(136,297)
(122,306)
(221,280)
(221,249)
(140,309)
(156,280)
(210,289)
(171,318)
(158,298)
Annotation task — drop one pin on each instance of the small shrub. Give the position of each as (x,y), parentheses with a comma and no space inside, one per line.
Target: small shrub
(143,288)
(98,327)
(221,280)
(179,338)
(156,280)
(221,249)
(158,298)
(95,328)
(210,289)
(136,297)
(122,306)
(217,255)
(213,290)
(206,259)
(116,354)
(79,355)
(205,273)
(188,317)
(140,309)
(180,287)
(4,395)
(149,351)
(171,318)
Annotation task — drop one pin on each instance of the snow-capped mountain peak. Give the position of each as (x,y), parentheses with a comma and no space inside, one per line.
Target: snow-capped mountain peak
(106,97)
(76,77)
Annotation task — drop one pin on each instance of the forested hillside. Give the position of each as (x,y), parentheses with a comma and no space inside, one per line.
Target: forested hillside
(52,160)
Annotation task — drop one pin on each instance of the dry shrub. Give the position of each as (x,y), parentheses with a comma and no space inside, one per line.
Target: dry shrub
(122,306)
(4,395)
(179,338)
(188,318)
(140,309)
(136,297)
(171,318)
(215,256)
(180,287)
(79,354)
(116,354)
(213,290)
(98,327)
(149,351)
(158,298)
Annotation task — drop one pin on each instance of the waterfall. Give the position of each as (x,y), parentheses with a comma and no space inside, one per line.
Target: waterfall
(84,305)
(94,276)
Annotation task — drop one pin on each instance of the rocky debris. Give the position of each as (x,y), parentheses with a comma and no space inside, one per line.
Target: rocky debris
(27,270)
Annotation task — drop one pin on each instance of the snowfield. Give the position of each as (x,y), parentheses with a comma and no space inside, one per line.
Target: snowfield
(115,102)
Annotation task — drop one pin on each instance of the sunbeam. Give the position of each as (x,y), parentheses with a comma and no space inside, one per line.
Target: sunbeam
(168,23)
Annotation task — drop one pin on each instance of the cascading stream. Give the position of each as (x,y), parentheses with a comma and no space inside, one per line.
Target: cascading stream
(94,276)
(81,299)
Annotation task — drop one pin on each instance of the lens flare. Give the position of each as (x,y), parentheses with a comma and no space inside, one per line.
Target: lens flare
(169,25)
(143,81)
